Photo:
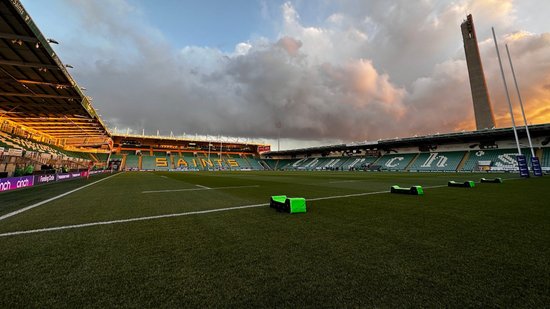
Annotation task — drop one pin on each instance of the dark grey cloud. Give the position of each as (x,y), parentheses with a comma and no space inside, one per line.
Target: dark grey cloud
(373,69)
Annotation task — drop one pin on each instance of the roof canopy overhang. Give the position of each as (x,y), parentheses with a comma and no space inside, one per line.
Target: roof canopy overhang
(488,136)
(36,90)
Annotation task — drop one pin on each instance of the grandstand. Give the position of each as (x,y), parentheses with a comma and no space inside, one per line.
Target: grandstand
(192,230)
(396,162)
(437,161)
(65,129)
(46,119)
(358,163)
(146,159)
(497,160)
(501,159)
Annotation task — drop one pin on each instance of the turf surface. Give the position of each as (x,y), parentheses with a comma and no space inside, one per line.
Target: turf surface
(485,246)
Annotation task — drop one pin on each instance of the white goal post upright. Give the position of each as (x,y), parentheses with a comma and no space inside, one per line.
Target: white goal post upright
(520,102)
(507,93)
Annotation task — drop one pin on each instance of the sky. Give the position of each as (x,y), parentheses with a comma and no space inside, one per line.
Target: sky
(311,72)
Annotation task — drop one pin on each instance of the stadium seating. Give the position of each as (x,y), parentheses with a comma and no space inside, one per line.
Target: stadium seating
(545,160)
(184,161)
(147,162)
(272,163)
(504,159)
(17,142)
(311,163)
(204,162)
(101,157)
(395,161)
(17,151)
(285,164)
(300,164)
(437,161)
(163,162)
(334,163)
(323,162)
(115,156)
(238,162)
(81,155)
(131,161)
(218,161)
(279,164)
(254,164)
(357,163)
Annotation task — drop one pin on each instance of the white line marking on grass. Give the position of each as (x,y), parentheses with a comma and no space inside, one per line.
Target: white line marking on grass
(204,187)
(343,181)
(360,194)
(11,214)
(199,189)
(75,226)
(163,176)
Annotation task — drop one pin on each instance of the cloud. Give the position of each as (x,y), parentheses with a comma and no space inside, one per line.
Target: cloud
(290,45)
(368,70)
(530,56)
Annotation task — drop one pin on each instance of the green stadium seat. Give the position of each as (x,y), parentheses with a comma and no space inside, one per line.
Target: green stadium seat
(254,163)
(132,162)
(285,164)
(272,163)
(357,162)
(499,159)
(147,162)
(437,161)
(395,161)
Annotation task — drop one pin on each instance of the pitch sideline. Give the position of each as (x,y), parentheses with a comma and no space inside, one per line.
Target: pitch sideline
(11,214)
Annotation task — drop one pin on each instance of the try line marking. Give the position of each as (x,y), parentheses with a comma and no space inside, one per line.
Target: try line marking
(200,188)
(11,214)
(199,212)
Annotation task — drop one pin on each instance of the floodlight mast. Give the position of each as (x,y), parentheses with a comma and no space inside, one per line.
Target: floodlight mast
(506,90)
(520,101)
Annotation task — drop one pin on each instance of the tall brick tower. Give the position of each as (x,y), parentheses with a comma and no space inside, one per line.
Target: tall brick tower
(482,104)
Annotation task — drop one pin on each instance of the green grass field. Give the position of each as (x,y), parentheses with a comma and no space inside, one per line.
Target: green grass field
(488,246)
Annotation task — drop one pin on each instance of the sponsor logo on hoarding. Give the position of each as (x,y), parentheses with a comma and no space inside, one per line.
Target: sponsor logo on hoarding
(12,183)
(7,184)
(45,178)
(535,164)
(63,176)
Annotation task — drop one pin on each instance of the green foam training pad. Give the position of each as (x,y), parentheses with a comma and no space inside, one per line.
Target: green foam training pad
(297,204)
(414,190)
(279,198)
(495,180)
(419,190)
(466,184)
